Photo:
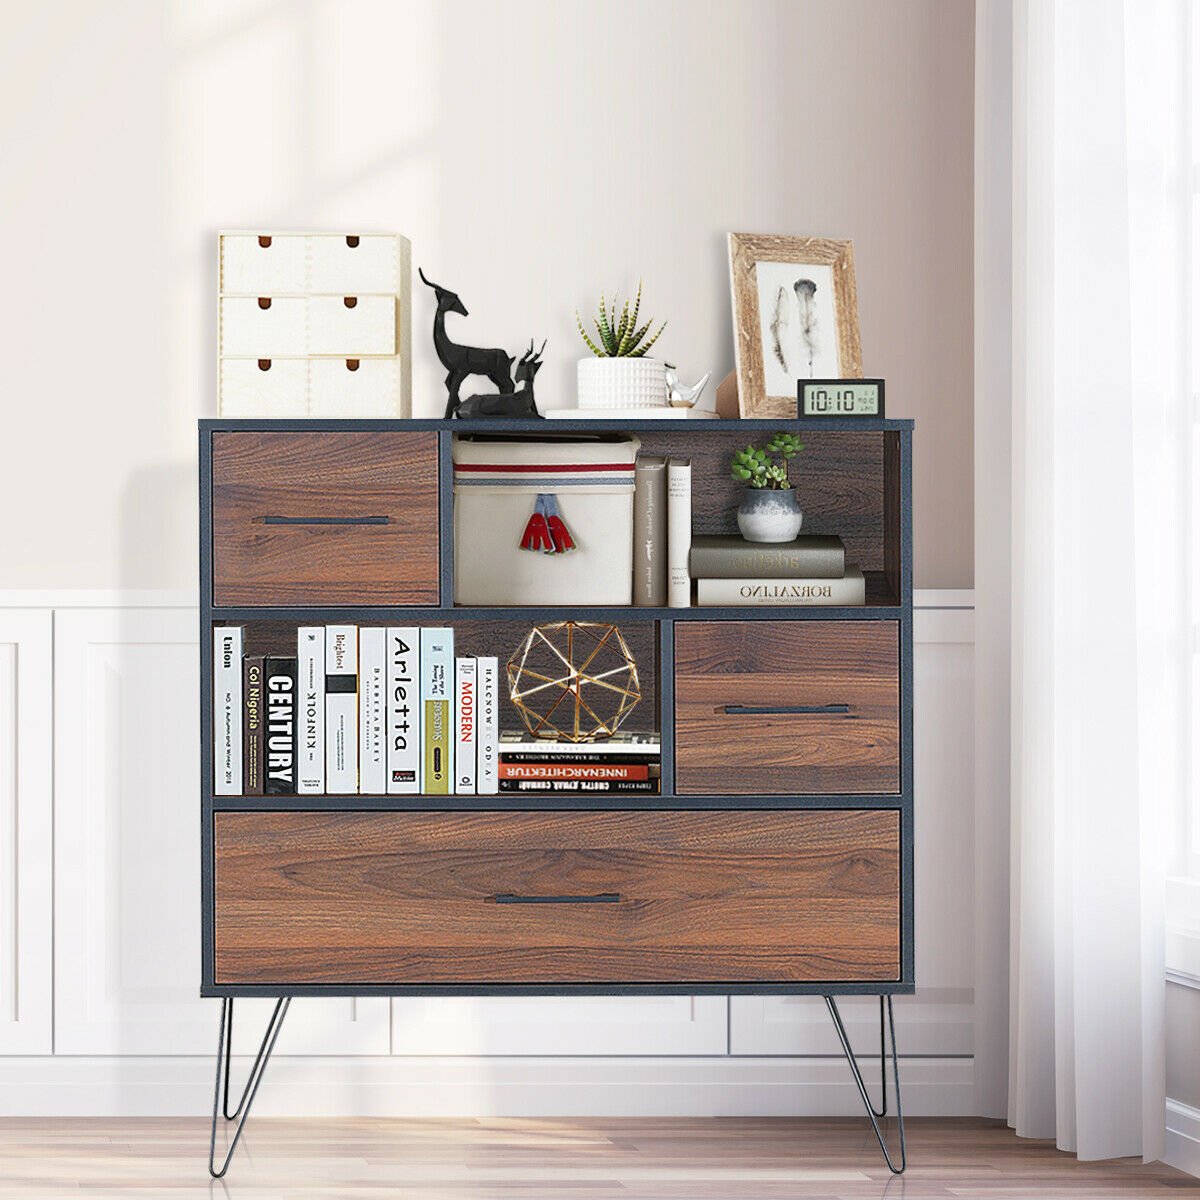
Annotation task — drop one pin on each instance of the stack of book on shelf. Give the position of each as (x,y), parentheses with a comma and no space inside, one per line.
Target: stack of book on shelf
(625,762)
(811,570)
(368,711)
(662,531)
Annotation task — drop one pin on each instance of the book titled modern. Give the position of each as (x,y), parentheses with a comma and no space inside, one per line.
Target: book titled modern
(437,701)
(488,734)
(403,710)
(679,532)
(310,698)
(720,593)
(341,709)
(466,714)
(279,779)
(227,709)
(372,700)
(650,531)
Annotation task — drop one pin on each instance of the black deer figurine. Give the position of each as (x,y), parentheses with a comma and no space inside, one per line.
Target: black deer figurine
(463,361)
(509,404)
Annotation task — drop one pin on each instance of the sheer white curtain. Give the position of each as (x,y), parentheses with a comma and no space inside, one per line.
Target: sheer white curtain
(1100,422)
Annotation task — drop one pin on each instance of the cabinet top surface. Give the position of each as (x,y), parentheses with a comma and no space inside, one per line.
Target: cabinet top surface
(527,425)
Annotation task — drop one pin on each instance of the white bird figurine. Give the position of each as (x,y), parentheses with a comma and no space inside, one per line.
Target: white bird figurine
(684,397)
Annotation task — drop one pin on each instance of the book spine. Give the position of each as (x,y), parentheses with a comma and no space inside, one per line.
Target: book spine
(310,699)
(720,593)
(767,562)
(466,720)
(578,785)
(488,746)
(341,709)
(649,532)
(403,711)
(372,687)
(618,772)
(280,776)
(252,726)
(227,710)
(567,758)
(679,532)
(437,672)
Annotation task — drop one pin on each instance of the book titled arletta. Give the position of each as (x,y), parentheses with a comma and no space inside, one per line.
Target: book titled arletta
(403,710)
(310,700)
(227,709)
(437,703)
(252,725)
(341,709)
(721,593)
(727,556)
(279,779)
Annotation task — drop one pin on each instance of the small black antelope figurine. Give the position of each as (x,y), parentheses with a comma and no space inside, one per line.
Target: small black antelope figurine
(509,404)
(463,361)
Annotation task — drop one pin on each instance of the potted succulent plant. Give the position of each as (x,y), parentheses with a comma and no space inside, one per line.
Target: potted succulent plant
(619,375)
(770,511)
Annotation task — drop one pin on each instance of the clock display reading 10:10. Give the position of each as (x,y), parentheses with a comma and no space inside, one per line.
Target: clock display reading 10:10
(840,397)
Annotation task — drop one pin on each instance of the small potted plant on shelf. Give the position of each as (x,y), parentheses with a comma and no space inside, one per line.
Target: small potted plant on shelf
(619,375)
(770,511)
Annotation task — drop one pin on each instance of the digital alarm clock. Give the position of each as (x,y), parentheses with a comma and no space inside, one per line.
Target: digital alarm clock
(839,398)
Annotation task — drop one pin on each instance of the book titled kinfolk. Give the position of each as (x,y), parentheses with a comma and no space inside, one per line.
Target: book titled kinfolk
(733,593)
(650,532)
(727,556)
(466,723)
(310,699)
(252,725)
(227,709)
(341,709)
(679,532)
(403,711)
(437,701)
(280,776)
(372,678)
(487,746)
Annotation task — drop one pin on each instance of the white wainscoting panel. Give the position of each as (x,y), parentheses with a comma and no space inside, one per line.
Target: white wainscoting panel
(26,823)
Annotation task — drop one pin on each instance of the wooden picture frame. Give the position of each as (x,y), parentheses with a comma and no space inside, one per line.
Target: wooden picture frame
(764,342)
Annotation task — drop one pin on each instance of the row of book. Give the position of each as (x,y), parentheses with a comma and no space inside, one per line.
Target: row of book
(727,570)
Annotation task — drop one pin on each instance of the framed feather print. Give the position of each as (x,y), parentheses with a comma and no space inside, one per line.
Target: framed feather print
(795,316)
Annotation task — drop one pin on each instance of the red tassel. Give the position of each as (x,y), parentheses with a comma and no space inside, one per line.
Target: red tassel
(537,534)
(561,535)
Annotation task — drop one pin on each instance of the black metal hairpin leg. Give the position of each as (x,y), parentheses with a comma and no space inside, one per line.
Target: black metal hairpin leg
(876,1115)
(257,1071)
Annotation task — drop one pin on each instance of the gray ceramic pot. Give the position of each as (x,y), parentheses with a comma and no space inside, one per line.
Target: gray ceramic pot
(768,515)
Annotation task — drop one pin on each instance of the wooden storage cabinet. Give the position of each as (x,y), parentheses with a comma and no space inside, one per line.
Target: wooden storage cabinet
(489,898)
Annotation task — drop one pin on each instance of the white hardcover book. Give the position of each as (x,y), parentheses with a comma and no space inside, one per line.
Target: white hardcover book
(679,532)
(341,709)
(372,679)
(403,710)
(466,719)
(310,701)
(487,745)
(437,711)
(227,709)
(851,589)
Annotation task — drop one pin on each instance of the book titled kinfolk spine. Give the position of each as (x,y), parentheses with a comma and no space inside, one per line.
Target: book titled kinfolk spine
(488,744)
(650,532)
(280,776)
(733,593)
(437,702)
(679,532)
(727,556)
(466,722)
(341,709)
(227,709)
(372,680)
(252,725)
(310,699)
(403,711)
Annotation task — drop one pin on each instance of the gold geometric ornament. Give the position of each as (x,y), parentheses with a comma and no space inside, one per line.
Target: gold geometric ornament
(573,681)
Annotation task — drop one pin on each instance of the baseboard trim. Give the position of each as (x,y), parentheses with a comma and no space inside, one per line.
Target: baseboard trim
(1182,1149)
(463,1087)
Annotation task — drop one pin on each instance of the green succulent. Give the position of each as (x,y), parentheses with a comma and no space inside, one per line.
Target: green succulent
(622,338)
(766,467)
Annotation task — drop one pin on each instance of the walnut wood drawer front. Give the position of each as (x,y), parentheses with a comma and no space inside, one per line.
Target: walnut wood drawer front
(325,518)
(787,707)
(557,897)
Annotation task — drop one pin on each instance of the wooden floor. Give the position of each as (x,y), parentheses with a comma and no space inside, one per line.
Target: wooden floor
(681,1159)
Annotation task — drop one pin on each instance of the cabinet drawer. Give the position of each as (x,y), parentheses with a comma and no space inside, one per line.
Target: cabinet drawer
(787,707)
(292,263)
(366,387)
(556,897)
(264,387)
(264,326)
(351,265)
(295,326)
(350,325)
(325,518)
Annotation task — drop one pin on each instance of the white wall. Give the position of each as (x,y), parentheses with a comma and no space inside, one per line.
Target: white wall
(535,151)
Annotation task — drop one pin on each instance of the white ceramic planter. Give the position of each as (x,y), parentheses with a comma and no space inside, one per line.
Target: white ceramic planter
(622,383)
(767,515)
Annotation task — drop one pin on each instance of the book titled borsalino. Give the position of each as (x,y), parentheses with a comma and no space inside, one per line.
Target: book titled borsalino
(487,747)
(372,679)
(341,709)
(437,701)
(403,711)
(227,709)
(650,531)
(252,725)
(727,556)
(466,722)
(280,776)
(732,593)
(310,700)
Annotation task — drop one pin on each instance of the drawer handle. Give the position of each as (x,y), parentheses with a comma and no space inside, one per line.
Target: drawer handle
(350,301)
(351,241)
(326,520)
(801,710)
(264,242)
(264,302)
(600,898)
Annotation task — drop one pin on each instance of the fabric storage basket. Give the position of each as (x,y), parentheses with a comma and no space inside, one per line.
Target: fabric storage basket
(581,488)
